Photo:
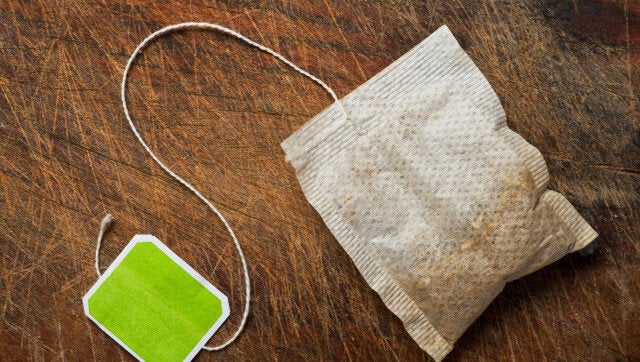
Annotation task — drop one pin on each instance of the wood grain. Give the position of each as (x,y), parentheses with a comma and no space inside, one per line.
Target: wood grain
(216,110)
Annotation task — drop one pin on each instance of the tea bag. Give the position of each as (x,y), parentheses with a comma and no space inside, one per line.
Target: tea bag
(435,199)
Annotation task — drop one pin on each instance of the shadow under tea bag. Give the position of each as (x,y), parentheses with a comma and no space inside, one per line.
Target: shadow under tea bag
(435,199)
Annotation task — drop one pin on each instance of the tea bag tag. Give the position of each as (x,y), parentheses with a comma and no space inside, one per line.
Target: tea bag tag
(154,304)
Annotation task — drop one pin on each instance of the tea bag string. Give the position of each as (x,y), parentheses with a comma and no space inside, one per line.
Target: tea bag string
(108,218)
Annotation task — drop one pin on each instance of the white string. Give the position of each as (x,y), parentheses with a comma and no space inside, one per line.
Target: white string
(135,53)
(104,225)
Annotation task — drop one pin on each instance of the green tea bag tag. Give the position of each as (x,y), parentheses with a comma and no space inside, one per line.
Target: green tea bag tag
(154,304)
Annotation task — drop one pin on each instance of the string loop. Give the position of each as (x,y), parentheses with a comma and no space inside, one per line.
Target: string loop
(134,55)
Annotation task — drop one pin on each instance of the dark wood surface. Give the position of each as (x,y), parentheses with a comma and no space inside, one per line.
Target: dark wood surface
(216,110)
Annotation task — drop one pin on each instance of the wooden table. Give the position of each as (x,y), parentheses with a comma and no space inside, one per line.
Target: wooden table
(216,110)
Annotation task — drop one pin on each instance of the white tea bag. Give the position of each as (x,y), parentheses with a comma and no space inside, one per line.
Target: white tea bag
(435,199)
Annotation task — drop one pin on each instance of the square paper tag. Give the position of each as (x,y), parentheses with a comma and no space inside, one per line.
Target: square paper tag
(154,304)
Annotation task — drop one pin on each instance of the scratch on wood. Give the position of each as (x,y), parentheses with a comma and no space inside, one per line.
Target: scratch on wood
(632,97)
(346,42)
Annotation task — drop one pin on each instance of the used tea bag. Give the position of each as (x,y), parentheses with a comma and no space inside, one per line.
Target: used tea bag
(435,199)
